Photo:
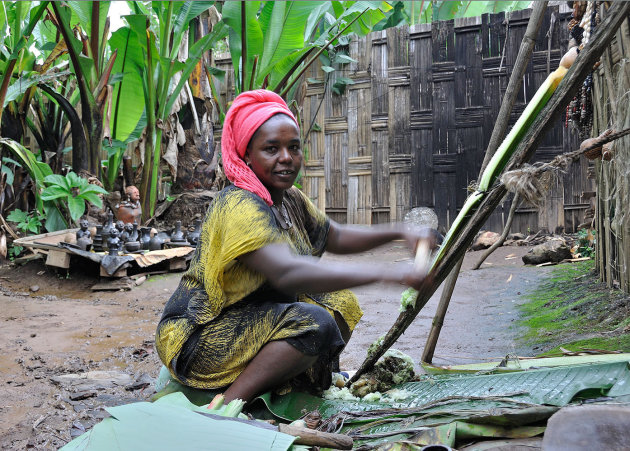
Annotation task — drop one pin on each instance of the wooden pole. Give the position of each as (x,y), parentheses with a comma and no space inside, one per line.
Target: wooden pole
(506,231)
(498,134)
(440,314)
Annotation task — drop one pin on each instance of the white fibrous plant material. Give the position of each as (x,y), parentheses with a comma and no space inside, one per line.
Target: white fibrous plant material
(377,344)
(342,394)
(396,394)
(408,298)
(372,397)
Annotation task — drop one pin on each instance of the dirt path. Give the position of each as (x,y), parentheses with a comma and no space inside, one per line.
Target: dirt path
(64,328)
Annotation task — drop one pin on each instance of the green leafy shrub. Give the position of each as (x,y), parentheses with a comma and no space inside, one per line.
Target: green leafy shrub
(586,243)
(14,252)
(71,192)
(25,221)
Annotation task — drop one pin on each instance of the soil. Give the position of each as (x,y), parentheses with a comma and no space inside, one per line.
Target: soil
(53,325)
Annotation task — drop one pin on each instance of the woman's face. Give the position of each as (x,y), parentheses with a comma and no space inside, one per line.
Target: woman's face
(275,155)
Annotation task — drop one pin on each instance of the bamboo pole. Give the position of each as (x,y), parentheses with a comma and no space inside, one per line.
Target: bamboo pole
(498,133)
(605,32)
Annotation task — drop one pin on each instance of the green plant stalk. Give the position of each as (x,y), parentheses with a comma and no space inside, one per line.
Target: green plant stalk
(152,154)
(533,108)
(165,38)
(500,160)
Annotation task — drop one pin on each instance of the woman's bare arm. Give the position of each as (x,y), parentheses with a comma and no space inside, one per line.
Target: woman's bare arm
(350,239)
(292,273)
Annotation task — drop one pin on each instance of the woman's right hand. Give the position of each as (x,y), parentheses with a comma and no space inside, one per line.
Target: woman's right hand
(415,278)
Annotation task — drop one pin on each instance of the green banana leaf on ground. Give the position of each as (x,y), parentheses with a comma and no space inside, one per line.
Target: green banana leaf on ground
(445,408)
(520,363)
(173,422)
(509,405)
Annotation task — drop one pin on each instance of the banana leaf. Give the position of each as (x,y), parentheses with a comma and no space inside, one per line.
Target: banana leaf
(550,387)
(524,364)
(172,423)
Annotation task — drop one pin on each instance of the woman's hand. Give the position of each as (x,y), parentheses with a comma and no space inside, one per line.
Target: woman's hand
(425,235)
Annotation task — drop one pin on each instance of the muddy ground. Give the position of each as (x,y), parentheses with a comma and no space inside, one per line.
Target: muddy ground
(55,331)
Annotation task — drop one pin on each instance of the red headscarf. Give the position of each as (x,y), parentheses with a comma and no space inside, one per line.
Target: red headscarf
(249,111)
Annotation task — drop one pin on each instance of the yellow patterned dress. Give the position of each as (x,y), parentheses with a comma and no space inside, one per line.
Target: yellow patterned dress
(223,313)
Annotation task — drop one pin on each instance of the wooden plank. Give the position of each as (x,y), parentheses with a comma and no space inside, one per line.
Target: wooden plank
(120,273)
(392,199)
(114,285)
(353,200)
(58,258)
(45,240)
(177,264)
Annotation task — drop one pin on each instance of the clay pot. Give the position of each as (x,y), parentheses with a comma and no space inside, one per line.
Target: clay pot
(145,237)
(107,228)
(129,213)
(193,237)
(177,236)
(156,243)
(132,246)
(134,233)
(84,243)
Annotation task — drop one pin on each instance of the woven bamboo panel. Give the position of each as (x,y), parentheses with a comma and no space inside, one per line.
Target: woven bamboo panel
(422,108)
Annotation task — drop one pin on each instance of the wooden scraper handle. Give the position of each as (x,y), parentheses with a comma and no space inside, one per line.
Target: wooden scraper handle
(312,437)
(422,262)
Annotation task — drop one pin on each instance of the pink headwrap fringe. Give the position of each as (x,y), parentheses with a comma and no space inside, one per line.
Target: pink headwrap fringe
(248,112)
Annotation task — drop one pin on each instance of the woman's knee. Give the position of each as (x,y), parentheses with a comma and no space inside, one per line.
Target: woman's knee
(327,328)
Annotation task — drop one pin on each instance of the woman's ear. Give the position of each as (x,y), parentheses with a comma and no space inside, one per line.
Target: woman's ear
(246,158)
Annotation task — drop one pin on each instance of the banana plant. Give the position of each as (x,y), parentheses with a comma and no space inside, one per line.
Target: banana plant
(158,33)
(426,11)
(91,68)
(272,43)
(17,22)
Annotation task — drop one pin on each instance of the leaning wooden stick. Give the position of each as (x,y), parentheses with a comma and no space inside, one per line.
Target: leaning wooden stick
(498,133)
(481,204)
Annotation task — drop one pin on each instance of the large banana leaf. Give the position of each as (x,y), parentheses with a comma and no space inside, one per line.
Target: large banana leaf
(128,97)
(254,39)
(371,14)
(188,11)
(551,387)
(174,423)
(283,25)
